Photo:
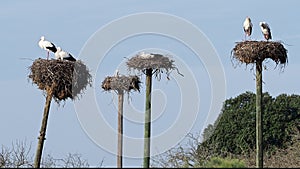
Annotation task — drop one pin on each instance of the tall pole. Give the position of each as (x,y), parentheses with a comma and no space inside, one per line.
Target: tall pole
(39,150)
(120,129)
(259,127)
(147,132)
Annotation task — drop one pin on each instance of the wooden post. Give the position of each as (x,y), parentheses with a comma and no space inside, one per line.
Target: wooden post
(147,132)
(120,129)
(259,124)
(41,138)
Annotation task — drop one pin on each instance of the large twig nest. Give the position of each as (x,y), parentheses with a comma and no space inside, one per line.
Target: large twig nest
(157,62)
(65,79)
(254,51)
(121,83)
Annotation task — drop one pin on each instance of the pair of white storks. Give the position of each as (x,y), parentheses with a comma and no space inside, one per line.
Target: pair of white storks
(58,52)
(265,29)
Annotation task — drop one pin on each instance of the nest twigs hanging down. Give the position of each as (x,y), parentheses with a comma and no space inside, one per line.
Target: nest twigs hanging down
(69,77)
(157,62)
(121,83)
(255,51)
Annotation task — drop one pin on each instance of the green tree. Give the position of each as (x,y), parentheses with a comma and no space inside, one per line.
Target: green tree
(208,131)
(235,131)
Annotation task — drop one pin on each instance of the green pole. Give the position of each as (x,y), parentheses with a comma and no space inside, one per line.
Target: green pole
(120,129)
(259,132)
(147,132)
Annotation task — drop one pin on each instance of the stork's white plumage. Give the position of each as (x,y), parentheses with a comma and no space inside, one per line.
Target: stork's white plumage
(46,45)
(143,55)
(117,73)
(265,29)
(146,55)
(247,27)
(63,55)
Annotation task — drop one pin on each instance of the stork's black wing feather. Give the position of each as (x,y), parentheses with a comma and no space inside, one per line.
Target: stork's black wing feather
(70,58)
(52,48)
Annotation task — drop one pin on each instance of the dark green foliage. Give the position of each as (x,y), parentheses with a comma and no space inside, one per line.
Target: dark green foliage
(234,131)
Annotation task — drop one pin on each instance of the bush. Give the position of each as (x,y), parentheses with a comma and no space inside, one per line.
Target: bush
(216,162)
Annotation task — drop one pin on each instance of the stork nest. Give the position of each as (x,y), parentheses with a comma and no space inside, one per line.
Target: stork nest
(157,62)
(64,79)
(254,51)
(121,83)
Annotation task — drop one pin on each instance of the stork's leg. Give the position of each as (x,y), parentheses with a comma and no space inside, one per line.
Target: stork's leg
(245,37)
(47,55)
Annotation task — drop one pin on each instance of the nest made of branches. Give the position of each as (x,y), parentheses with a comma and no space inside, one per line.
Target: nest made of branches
(63,78)
(157,62)
(254,51)
(121,83)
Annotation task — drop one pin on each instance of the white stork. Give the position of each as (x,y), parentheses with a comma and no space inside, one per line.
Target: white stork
(46,45)
(117,73)
(265,30)
(247,27)
(146,55)
(62,55)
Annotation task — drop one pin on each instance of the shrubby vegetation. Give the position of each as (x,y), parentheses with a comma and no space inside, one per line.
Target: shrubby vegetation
(19,155)
(216,162)
(233,134)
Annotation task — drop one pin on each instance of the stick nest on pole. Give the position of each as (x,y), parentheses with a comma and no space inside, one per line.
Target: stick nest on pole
(253,51)
(156,62)
(121,83)
(65,78)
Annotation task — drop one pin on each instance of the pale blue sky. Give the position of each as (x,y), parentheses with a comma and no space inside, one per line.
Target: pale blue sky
(70,24)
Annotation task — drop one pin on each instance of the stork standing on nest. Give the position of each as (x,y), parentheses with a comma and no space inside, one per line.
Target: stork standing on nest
(46,45)
(265,29)
(63,55)
(117,73)
(146,55)
(247,27)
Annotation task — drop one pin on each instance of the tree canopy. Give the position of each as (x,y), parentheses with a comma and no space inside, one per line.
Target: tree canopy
(234,130)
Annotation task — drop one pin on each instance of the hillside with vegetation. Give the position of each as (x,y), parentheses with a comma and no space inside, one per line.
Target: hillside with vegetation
(233,137)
